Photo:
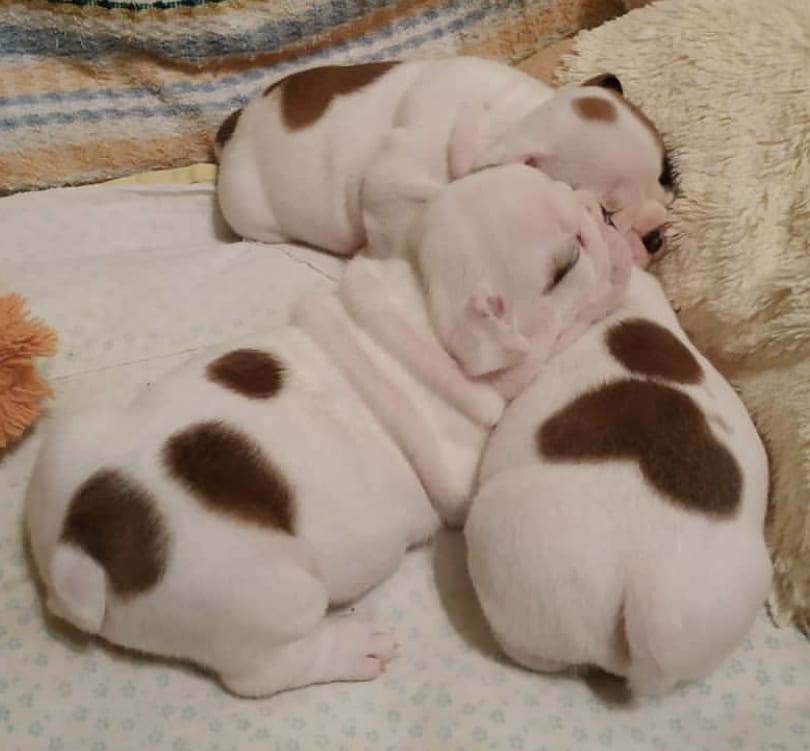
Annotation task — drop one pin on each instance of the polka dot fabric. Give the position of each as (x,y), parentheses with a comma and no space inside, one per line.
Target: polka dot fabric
(135,279)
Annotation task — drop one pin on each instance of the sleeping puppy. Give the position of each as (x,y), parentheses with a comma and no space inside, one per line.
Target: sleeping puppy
(339,157)
(619,520)
(219,517)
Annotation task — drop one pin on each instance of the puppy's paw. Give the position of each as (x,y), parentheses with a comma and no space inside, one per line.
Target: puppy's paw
(590,202)
(361,649)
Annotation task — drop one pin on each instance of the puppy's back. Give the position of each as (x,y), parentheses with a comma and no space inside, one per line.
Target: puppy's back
(639,487)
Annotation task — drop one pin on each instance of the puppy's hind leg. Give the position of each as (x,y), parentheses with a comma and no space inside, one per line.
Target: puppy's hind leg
(271,630)
(341,648)
(243,201)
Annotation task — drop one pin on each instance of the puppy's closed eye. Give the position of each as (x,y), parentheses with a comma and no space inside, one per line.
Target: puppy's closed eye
(562,265)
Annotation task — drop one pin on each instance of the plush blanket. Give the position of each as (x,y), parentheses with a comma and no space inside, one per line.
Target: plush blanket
(92,89)
(137,279)
(729,82)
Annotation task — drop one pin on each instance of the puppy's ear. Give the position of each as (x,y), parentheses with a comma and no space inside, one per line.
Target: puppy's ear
(606,81)
(485,339)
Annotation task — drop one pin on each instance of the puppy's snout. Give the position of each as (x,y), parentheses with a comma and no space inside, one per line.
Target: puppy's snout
(653,241)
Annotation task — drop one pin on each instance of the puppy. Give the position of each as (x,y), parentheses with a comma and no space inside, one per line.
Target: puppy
(342,156)
(619,520)
(192,525)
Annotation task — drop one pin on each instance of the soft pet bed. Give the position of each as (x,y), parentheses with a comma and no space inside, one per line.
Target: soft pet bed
(729,83)
(136,279)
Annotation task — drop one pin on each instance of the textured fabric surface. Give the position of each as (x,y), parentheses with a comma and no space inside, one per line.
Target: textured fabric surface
(22,340)
(135,279)
(93,89)
(730,86)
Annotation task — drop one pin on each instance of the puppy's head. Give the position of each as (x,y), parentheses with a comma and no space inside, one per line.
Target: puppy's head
(505,255)
(592,138)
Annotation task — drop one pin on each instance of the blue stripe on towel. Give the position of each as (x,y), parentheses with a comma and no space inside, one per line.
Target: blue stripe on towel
(183,87)
(23,40)
(120,5)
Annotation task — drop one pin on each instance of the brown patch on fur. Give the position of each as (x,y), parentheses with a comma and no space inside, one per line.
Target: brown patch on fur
(611,83)
(646,348)
(227,128)
(659,426)
(595,108)
(226,471)
(306,95)
(249,372)
(116,521)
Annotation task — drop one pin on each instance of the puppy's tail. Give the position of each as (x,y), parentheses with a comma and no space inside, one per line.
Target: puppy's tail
(681,628)
(76,583)
(78,588)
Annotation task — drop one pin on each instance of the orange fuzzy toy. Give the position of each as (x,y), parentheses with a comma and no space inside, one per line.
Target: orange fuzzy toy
(21,388)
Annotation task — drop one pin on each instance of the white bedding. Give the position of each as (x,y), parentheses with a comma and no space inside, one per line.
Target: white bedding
(137,278)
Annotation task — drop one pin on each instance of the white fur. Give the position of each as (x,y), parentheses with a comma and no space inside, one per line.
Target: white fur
(570,559)
(358,174)
(377,429)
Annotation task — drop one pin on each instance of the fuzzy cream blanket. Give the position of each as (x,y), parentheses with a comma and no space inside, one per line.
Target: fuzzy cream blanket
(729,83)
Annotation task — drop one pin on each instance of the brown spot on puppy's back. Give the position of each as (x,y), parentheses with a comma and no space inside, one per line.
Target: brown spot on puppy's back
(595,108)
(306,95)
(227,128)
(249,372)
(647,348)
(113,519)
(659,426)
(226,471)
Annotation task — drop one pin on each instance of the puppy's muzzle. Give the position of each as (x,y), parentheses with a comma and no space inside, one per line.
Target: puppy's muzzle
(653,241)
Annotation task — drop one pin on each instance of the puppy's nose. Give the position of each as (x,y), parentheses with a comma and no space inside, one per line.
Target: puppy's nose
(653,241)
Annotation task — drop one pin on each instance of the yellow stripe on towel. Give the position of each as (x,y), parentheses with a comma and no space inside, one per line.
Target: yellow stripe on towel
(194,173)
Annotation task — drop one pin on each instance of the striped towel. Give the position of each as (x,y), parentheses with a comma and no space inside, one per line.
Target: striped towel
(95,89)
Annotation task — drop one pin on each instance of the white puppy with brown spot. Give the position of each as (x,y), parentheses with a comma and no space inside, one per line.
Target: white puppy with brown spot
(220,516)
(619,520)
(342,156)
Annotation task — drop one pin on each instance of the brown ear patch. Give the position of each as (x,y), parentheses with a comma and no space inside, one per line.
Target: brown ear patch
(249,372)
(306,95)
(647,348)
(227,128)
(659,426)
(605,81)
(227,472)
(595,108)
(115,520)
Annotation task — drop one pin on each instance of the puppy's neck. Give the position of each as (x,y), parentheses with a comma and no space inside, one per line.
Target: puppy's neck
(376,330)
(385,298)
